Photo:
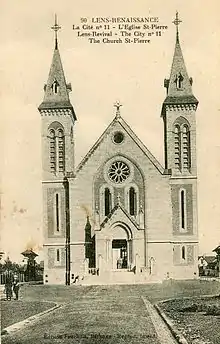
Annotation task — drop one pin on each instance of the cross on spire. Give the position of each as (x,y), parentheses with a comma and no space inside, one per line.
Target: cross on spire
(56,28)
(176,22)
(117,105)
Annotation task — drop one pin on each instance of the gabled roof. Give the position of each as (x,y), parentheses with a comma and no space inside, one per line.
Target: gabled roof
(113,211)
(29,252)
(130,132)
(217,249)
(210,259)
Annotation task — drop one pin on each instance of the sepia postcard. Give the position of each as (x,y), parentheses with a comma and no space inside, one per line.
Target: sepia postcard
(110,172)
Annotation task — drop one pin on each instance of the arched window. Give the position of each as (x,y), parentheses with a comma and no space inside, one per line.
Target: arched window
(52,151)
(177,147)
(182,149)
(179,80)
(183,253)
(107,196)
(186,147)
(55,87)
(56,147)
(183,225)
(57,212)
(132,201)
(61,151)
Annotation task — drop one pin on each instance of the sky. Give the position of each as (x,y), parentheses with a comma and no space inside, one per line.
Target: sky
(100,74)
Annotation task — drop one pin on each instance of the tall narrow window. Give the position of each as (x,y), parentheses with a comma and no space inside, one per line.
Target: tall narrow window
(179,80)
(71,135)
(58,256)
(107,196)
(186,148)
(132,201)
(55,87)
(61,151)
(52,151)
(183,209)
(56,147)
(183,253)
(182,147)
(177,147)
(189,147)
(57,211)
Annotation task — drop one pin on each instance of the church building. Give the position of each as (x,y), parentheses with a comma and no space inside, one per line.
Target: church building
(119,216)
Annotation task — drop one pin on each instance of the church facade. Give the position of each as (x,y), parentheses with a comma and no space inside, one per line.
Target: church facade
(119,216)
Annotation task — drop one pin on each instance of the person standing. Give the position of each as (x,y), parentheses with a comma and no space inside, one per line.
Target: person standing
(8,284)
(16,286)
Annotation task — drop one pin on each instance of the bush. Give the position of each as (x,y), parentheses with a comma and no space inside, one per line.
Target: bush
(213,310)
(192,308)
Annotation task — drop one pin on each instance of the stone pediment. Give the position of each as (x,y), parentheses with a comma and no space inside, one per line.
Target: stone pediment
(126,128)
(119,214)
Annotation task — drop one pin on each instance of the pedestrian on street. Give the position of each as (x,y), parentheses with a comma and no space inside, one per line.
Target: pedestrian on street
(16,286)
(8,284)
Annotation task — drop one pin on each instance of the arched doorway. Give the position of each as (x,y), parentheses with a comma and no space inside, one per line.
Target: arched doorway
(121,247)
(119,254)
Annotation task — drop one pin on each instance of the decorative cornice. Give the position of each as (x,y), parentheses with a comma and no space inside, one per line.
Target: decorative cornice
(53,181)
(71,243)
(180,107)
(55,112)
(173,242)
(182,176)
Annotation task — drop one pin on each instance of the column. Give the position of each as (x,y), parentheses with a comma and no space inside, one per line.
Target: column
(137,263)
(129,249)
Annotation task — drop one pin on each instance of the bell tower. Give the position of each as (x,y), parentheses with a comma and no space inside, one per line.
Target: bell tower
(179,117)
(58,118)
(57,126)
(178,113)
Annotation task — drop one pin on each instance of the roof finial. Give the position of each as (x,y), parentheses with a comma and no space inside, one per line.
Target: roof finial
(176,22)
(56,28)
(117,105)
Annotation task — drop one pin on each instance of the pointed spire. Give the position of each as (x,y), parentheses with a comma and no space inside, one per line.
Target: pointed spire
(179,86)
(56,90)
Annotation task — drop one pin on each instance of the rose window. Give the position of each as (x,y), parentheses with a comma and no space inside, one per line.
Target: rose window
(118,172)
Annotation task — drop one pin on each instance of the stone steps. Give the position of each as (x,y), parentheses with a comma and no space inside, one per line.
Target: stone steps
(118,277)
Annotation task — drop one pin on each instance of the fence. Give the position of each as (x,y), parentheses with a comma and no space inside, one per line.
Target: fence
(20,277)
(206,278)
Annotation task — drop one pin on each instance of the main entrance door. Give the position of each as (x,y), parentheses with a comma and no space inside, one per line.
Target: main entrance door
(119,254)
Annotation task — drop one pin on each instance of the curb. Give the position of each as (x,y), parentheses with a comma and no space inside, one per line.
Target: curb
(187,298)
(175,332)
(17,326)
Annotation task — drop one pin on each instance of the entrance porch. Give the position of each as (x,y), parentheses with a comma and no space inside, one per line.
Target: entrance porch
(119,254)
(114,251)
